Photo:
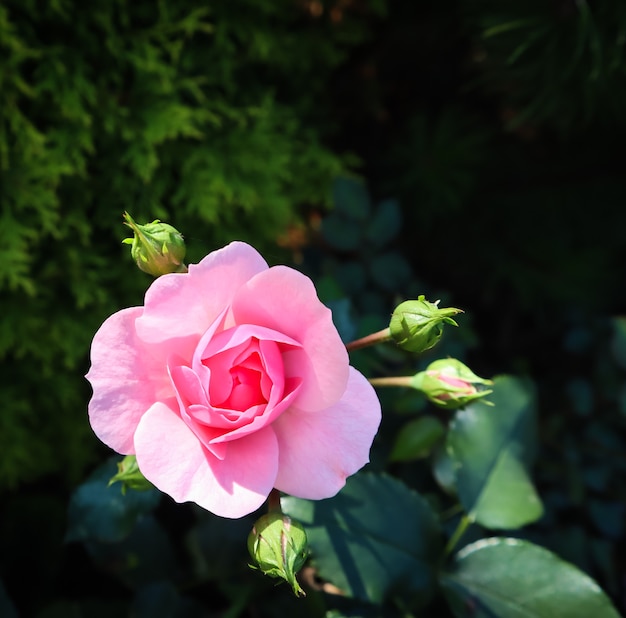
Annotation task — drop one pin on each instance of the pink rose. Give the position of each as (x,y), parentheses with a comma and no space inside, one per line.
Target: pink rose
(229,381)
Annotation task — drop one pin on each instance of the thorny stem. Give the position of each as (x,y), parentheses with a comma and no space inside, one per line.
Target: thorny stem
(379,337)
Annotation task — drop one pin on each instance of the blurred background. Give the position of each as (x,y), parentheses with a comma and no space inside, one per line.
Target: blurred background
(469,150)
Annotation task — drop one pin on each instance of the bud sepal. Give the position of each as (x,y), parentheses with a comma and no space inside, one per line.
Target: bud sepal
(129,474)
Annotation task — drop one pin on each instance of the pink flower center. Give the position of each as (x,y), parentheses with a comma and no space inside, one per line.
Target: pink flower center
(245,387)
(237,383)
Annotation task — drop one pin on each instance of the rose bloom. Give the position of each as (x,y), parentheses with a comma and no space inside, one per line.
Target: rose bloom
(232,380)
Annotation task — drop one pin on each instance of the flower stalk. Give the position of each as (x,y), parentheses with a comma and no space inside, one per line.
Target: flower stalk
(273,501)
(406,381)
(380,337)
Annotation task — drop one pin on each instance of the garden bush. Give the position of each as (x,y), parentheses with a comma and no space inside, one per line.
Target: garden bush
(466,150)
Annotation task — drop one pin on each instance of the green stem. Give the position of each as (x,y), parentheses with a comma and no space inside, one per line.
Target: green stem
(451,512)
(380,337)
(458,533)
(405,381)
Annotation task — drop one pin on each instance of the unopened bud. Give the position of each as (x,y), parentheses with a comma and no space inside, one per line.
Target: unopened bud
(129,474)
(417,325)
(279,547)
(450,384)
(157,248)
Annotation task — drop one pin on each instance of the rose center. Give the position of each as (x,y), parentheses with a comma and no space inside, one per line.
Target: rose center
(236,385)
(245,390)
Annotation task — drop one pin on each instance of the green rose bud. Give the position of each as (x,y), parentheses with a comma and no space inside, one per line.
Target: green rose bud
(417,325)
(129,474)
(450,384)
(157,248)
(278,545)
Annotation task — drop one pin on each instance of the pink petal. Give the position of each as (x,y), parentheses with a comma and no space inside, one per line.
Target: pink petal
(286,301)
(232,337)
(127,377)
(184,305)
(214,424)
(172,458)
(262,416)
(319,450)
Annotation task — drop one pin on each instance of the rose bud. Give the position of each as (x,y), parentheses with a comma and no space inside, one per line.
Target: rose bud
(450,384)
(157,248)
(278,545)
(129,474)
(417,325)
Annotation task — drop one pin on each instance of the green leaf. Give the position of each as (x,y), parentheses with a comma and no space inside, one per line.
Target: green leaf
(342,318)
(351,276)
(99,512)
(385,224)
(580,393)
(511,578)
(217,546)
(443,470)
(492,448)
(375,537)
(145,555)
(162,600)
(341,233)
(390,271)
(608,516)
(328,289)
(351,199)
(416,439)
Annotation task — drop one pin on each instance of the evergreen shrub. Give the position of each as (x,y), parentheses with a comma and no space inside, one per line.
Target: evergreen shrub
(206,115)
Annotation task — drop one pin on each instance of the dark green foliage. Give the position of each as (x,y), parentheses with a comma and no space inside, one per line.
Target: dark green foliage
(538,54)
(204,115)
(523,583)
(490,452)
(492,455)
(374,540)
(162,600)
(106,513)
